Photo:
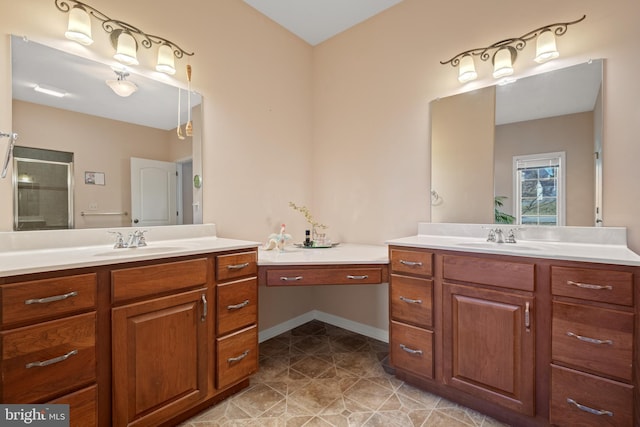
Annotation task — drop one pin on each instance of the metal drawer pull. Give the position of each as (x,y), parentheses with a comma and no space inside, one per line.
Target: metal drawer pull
(410,350)
(590,340)
(238,266)
(290,279)
(51,361)
(238,306)
(364,276)
(527,316)
(238,358)
(411,301)
(411,263)
(205,307)
(590,286)
(51,299)
(589,410)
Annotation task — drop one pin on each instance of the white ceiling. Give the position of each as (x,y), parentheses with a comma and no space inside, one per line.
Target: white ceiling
(566,91)
(318,20)
(155,104)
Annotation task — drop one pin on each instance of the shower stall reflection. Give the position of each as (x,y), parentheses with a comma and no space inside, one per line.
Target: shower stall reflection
(43,189)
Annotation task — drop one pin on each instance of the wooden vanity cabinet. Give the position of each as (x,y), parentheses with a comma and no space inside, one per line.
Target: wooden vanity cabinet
(147,343)
(489,345)
(336,274)
(528,341)
(411,312)
(236,332)
(592,369)
(48,342)
(159,343)
(489,330)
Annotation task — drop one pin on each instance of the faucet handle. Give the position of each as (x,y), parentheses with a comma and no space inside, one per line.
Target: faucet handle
(511,236)
(492,235)
(119,243)
(140,236)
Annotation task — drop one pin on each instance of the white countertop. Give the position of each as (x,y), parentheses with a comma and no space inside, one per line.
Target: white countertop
(24,253)
(590,244)
(344,253)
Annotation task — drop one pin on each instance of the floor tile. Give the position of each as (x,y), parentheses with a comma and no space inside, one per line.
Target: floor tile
(320,375)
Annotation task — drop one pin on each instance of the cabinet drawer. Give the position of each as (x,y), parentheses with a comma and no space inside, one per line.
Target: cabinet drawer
(615,287)
(41,299)
(412,349)
(237,305)
(604,402)
(236,265)
(82,407)
(592,338)
(505,274)
(412,300)
(152,280)
(47,359)
(325,276)
(411,261)
(237,356)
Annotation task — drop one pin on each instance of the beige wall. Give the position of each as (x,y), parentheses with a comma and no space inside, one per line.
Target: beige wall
(573,134)
(344,127)
(99,145)
(462,170)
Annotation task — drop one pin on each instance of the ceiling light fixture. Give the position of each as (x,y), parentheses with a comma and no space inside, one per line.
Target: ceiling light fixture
(125,38)
(48,90)
(121,86)
(503,54)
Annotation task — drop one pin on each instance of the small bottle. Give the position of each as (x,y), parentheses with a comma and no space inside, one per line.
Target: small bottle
(307,239)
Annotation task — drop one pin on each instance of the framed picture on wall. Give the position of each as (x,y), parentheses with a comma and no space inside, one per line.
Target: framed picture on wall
(94,178)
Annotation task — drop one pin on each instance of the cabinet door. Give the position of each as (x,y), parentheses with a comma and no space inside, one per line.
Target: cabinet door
(489,345)
(159,357)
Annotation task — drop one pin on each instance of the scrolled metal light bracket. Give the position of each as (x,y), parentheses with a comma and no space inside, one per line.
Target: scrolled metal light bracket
(114,27)
(513,44)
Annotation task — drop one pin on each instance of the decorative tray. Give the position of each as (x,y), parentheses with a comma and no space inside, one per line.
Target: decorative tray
(302,246)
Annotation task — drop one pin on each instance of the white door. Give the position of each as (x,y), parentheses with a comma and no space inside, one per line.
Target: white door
(153,192)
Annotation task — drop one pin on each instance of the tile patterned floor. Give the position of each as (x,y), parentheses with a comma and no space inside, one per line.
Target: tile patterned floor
(319,375)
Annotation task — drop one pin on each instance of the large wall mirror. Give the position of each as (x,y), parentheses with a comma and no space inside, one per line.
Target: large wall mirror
(528,152)
(107,134)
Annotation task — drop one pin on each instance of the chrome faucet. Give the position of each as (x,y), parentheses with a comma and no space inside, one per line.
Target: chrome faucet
(496,235)
(134,240)
(511,236)
(119,243)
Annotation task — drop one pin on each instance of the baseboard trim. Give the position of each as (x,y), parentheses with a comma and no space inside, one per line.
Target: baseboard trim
(341,322)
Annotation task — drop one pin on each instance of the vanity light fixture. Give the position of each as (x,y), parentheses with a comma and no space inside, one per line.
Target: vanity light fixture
(121,86)
(467,69)
(546,49)
(125,38)
(503,62)
(79,28)
(126,47)
(166,64)
(504,53)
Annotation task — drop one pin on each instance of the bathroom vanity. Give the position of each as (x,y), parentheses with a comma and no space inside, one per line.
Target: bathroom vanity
(132,336)
(344,264)
(533,333)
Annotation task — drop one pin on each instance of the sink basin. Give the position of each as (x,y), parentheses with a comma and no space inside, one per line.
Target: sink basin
(499,246)
(144,250)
